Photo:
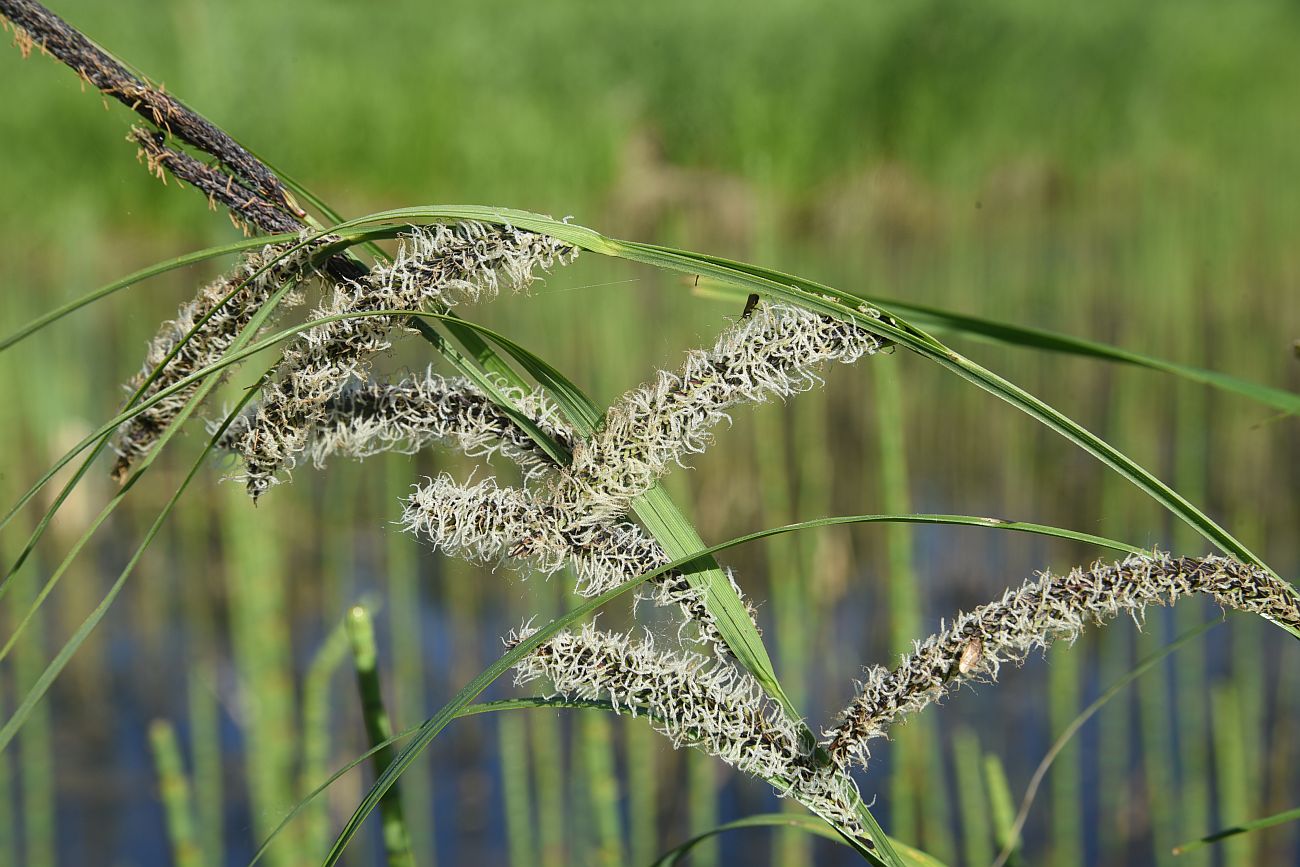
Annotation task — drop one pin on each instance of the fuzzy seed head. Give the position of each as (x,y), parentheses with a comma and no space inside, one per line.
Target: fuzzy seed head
(483,523)
(487,523)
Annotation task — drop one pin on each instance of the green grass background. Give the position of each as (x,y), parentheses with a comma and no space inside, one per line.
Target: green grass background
(1114,170)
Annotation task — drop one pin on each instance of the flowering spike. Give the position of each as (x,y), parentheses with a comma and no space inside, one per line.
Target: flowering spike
(774,352)
(487,523)
(435,265)
(1042,611)
(695,702)
(229,303)
(407,415)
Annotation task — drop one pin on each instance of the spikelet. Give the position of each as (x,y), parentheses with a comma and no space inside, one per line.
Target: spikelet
(435,266)
(487,523)
(407,415)
(696,702)
(229,303)
(1042,611)
(774,353)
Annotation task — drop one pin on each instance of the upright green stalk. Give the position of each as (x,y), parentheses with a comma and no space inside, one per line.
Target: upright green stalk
(317,723)
(1234,784)
(548,765)
(1063,691)
(512,741)
(1249,649)
(365,657)
(404,614)
(204,711)
(702,803)
(596,738)
(1158,754)
(174,789)
(36,755)
(8,828)
(1001,808)
(548,785)
(918,796)
(641,743)
(259,618)
(790,602)
(976,815)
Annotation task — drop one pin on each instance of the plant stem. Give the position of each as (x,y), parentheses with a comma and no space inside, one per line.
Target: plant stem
(175,791)
(361,632)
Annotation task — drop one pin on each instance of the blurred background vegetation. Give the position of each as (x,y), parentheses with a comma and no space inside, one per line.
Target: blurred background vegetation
(1116,170)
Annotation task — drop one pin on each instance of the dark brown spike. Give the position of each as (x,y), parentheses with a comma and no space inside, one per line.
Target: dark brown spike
(35,25)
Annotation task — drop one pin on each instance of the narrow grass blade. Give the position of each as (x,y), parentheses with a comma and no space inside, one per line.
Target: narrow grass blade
(47,677)
(140,276)
(70,647)
(918,315)
(667,524)
(808,824)
(430,729)
(846,305)
(100,438)
(1063,740)
(994,331)
(999,793)
(1243,828)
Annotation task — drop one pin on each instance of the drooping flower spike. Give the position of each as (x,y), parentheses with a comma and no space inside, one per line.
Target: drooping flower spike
(1042,611)
(229,304)
(435,266)
(416,411)
(696,702)
(773,353)
(487,523)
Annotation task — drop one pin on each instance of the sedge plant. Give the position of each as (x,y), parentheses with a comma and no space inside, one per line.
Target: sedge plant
(584,489)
